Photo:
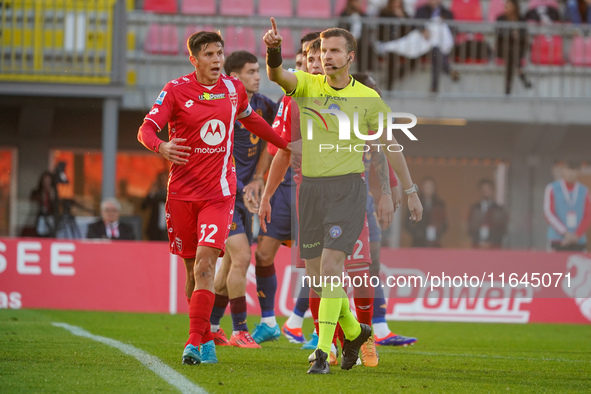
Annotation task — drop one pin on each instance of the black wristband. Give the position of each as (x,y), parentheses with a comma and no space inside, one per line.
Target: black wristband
(274,58)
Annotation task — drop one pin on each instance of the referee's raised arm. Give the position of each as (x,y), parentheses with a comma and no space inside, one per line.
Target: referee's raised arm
(287,80)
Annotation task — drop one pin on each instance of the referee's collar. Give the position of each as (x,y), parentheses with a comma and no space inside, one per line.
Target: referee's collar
(351,82)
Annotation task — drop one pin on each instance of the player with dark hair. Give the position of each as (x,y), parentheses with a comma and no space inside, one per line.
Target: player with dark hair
(250,157)
(329,230)
(305,41)
(200,109)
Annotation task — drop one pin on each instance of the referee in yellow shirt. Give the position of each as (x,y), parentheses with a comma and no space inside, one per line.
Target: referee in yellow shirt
(333,193)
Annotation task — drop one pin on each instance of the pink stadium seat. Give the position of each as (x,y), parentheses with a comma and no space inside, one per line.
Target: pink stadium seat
(281,8)
(198,7)
(547,50)
(237,8)
(162,40)
(161,6)
(495,9)
(466,10)
(189,30)
(535,3)
(580,51)
(288,47)
(239,38)
(313,9)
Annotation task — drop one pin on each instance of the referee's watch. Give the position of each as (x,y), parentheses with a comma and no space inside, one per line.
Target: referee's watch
(413,189)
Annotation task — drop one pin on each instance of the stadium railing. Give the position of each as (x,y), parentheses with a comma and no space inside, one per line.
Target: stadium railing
(557,58)
(60,41)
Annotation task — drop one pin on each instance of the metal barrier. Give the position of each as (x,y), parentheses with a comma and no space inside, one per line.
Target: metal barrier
(57,41)
(485,61)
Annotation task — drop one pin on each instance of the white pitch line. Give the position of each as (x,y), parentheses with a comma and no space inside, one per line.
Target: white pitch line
(153,363)
(492,356)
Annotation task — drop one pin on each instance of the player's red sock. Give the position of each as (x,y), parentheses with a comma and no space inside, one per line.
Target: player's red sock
(364,310)
(341,335)
(363,296)
(314,306)
(199,312)
(208,335)
(336,334)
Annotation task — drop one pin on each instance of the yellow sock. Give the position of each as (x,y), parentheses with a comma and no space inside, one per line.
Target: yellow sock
(349,324)
(328,314)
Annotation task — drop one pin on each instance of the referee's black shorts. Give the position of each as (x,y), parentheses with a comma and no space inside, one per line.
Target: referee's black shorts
(331,213)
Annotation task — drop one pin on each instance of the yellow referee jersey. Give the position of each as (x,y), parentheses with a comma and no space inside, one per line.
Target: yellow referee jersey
(329,149)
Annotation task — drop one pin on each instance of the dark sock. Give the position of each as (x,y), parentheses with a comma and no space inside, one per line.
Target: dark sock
(266,289)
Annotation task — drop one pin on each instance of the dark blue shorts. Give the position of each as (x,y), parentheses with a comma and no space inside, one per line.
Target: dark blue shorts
(375,232)
(281,220)
(242,220)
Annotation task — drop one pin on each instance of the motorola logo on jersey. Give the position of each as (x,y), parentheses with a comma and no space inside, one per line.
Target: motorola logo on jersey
(213,133)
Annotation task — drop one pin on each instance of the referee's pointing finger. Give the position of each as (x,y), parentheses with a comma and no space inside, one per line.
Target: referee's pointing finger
(274,26)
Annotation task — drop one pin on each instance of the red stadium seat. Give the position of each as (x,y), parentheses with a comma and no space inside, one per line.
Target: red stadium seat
(288,47)
(281,8)
(240,38)
(161,6)
(580,51)
(536,3)
(237,8)
(495,9)
(189,30)
(198,7)
(162,40)
(466,10)
(313,9)
(547,50)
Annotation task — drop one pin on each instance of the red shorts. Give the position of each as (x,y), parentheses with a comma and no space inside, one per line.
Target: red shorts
(198,223)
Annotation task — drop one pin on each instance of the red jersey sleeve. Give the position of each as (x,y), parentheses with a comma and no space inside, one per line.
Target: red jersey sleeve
(163,107)
(393,179)
(156,119)
(281,123)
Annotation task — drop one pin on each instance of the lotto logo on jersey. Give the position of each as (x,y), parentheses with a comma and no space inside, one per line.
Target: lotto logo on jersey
(213,132)
(161,96)
(208,96)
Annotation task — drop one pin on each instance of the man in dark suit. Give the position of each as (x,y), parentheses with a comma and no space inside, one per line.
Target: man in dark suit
(109,226)
(433,10)
(487,222)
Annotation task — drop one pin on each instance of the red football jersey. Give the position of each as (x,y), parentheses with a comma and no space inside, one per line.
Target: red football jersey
(205,116)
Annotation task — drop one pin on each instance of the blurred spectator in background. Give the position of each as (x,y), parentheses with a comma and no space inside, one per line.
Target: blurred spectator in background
(388,32)
(109,226)
(436,12)
(511,44)
(46,198)
(155,201)
(567,209)
(487,221)
(351,21)
(125,199)
(427,233)
(578,11)
(545,14)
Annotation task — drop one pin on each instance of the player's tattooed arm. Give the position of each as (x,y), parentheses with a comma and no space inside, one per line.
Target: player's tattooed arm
(385,207)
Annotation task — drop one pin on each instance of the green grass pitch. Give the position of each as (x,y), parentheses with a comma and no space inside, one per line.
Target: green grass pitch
(449,357)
